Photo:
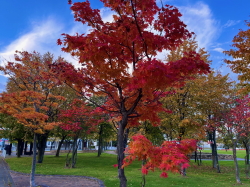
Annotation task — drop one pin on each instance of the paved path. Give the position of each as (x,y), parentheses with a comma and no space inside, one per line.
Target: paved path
(5,178)
(15,179)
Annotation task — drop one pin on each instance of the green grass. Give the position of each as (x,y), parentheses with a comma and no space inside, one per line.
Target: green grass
(88,164)
(239,153)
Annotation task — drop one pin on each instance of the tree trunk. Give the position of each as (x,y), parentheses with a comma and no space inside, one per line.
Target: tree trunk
(247,165)
(42,140)
(67,144)
(25,147)
(33,166)
(200,159)
(215,152)
(183,171)
(71,161)
(20,143)
(195,157)
(74,151)
(121,144)
(100,142)
(143,182)
(51,146)
(60,145)
(237,174)
(212,138)
(10,150)
(31,147)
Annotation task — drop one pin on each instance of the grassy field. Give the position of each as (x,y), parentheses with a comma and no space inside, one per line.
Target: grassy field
(88,164)
(240,153)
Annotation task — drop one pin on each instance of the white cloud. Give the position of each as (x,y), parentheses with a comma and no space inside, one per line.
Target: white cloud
(199,19)
(218,49)
(43,35)
(231,23)
(42,38)
(37,39)
(106,14)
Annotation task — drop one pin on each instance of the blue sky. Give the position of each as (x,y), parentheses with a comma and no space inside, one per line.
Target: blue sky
(36,25)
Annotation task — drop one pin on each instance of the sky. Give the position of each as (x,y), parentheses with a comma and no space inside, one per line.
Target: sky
(36,25)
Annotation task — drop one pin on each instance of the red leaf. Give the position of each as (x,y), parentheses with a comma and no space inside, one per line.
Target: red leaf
(164,175)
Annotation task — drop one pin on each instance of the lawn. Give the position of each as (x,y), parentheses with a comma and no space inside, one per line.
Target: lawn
(239,153)
(88,164)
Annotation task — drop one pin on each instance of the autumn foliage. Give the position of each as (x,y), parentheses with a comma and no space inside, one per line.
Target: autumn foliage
(79,116)
(241,55)
(118,60)
(170,156)
(21,106)
(29,95)
(238,118)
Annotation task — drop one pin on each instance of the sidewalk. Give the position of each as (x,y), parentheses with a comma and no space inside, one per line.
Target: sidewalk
(5,178)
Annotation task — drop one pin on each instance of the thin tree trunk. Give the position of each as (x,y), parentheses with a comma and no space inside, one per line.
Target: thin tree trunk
(183,172)
(247,165)
(25,147)
(51,146)
(215,151)
(71,161)
(200,159)
(33,166)
(121,143)
(60,145)
(212,138)
(74,151)
(31,147)
(68,160)
(100,142)
(195,157)
(143,183)
(237,174)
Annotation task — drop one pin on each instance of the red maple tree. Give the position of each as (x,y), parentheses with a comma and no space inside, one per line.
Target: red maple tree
(118,60)
(170,156)
(77,119)
(238,128)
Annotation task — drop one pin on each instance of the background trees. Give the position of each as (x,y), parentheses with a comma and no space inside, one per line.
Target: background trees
(185,120)
(241,57)
(213,97)
(31,102)
(14,131)
(239,123)
(238,128)
(77,119)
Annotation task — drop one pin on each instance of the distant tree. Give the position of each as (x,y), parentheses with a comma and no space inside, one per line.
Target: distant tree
(241,57)
(14,131)
(213,93)
(184,120)
(33,103)
(238,124)
(78,118)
